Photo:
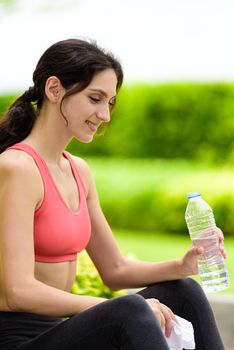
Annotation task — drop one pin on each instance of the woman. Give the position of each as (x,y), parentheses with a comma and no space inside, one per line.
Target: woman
(49,211)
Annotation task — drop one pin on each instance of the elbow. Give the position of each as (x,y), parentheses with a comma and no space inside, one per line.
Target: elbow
(115,288)
(110,286)
(16,299)
(112,282)
(13,300)
(115,278)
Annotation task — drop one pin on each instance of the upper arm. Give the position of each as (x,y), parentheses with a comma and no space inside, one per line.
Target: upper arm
(18,199)
(102,247)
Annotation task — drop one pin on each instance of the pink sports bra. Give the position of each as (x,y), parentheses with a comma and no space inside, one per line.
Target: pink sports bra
(59,233)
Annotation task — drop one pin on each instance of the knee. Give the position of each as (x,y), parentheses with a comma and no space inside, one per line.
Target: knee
(134,319)
(133,306)
(190,290)
(175,288)
(133,302)
(188,286)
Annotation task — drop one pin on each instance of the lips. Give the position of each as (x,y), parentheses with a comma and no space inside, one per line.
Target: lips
(93,127)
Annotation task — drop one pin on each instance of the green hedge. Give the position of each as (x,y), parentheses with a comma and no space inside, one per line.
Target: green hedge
(191,121)
(5,102)
(151,195)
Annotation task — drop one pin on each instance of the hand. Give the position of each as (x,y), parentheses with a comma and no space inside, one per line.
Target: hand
(189,261)
(217,231)
(163,314)
(221,244)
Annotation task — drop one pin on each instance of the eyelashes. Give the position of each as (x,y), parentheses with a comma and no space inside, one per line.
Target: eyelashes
(111,106)
(94,100)
(98,100)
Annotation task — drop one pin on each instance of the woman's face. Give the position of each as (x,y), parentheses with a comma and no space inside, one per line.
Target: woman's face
(89,108)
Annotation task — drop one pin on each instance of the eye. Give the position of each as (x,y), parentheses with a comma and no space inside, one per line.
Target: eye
(94,99)
(112,104)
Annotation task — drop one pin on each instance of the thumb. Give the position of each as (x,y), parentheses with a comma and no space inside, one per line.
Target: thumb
(197,250)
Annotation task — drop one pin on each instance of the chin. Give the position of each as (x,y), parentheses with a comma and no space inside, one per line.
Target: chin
(85,139)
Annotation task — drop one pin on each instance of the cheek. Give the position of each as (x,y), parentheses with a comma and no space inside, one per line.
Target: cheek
(77,109)
(69,106)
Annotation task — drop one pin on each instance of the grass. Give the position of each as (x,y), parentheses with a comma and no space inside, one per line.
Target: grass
(174,175)
(164,246)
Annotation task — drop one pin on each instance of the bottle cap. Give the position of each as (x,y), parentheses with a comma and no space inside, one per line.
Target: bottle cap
(194,194)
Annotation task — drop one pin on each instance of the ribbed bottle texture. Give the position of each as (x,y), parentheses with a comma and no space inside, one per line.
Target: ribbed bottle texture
(201,226)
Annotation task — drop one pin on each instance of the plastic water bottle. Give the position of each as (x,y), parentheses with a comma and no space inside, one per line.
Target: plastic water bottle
(201,225)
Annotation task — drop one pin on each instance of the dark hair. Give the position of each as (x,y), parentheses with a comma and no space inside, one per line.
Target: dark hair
(74,62)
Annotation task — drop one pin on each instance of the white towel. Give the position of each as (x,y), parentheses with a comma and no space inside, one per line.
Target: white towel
(182,335)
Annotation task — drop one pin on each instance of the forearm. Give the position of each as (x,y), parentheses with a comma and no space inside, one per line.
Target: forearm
(136,273)
(37,297)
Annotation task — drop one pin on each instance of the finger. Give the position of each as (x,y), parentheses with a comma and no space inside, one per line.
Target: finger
(173,316)
(223,252)
(198,250)
(156,308)
(222,248)
(192,252)
(168,321)
(220,234)
(162,320)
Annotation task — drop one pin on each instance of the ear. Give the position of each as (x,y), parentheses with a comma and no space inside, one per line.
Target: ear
(53,89)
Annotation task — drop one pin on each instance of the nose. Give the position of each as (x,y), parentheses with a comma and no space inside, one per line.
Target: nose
(104,115)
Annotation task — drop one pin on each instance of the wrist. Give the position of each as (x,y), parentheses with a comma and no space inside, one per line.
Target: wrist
(180,270)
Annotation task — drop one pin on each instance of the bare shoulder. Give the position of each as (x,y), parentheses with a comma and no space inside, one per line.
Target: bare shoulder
(84,171)
(12,161)
(81,163)
(19,167)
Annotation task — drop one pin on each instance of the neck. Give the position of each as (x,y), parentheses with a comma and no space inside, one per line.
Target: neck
(49,136)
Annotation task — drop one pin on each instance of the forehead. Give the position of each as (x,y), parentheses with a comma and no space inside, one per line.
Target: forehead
(106,81)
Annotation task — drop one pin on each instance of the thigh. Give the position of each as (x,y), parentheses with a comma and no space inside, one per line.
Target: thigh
(88,330)
(125,323)
(186,298)
(176,294)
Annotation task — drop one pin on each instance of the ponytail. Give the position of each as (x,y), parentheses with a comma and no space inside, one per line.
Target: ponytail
(18,120)
(74,62)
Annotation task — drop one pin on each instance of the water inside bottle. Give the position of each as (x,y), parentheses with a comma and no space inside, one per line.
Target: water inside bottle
(211,266)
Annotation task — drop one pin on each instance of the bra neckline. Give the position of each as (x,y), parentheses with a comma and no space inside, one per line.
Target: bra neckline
(77,212)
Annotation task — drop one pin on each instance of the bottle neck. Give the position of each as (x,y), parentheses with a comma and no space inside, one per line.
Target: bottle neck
(193,199)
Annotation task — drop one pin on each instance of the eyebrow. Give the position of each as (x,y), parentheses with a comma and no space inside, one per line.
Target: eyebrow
(102,92)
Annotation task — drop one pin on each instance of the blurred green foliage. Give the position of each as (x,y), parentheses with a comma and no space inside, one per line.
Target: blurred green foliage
(190,121)
(7,3)
(151,194)
(5,102)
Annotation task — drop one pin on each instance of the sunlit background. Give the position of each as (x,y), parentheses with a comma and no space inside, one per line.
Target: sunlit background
(173,129)
(155,40)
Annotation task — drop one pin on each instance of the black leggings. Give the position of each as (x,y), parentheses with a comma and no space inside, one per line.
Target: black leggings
(125,323)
